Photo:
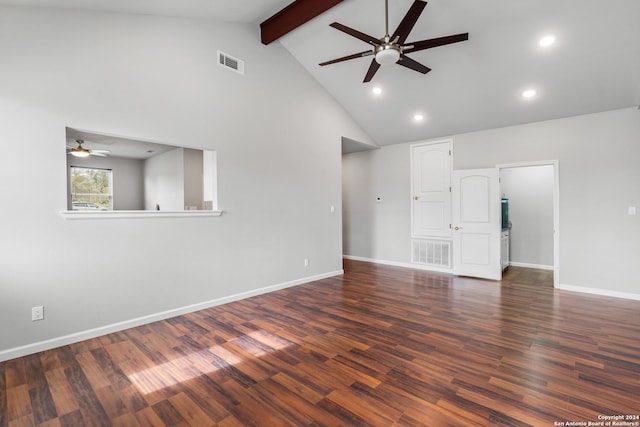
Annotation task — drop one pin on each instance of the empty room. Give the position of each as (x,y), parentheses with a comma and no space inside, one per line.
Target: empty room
(319,212)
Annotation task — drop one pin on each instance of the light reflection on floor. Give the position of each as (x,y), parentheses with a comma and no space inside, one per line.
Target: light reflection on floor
(198,363)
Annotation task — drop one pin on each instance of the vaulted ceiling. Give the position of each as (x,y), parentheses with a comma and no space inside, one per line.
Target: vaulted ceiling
(594,64)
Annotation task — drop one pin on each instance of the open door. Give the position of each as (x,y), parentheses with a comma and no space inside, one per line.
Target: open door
(476,223)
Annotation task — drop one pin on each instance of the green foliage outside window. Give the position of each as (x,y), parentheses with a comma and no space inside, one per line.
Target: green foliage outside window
(91,189)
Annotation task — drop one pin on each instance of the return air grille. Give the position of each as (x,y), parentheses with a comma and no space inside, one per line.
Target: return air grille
(231,63)
(436,253)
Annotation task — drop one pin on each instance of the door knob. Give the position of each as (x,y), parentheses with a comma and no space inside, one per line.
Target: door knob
(457,228)
(416,197)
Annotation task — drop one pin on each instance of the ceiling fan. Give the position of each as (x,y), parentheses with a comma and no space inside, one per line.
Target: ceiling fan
(80,151)
(391,49)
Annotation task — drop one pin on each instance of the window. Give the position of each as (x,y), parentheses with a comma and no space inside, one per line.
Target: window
(134,178)
(91,189)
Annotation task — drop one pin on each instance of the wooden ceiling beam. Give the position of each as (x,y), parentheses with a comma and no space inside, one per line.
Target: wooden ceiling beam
(291,17)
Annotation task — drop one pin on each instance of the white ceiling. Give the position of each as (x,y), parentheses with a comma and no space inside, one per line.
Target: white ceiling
(115,146)
(477,84)
(221,10)
(593,66)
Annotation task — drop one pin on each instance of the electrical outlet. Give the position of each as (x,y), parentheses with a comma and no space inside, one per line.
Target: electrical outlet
(306,262)
(37,313)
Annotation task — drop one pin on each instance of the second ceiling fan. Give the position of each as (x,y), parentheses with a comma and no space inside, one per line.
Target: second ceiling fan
(80,151)
(393,48)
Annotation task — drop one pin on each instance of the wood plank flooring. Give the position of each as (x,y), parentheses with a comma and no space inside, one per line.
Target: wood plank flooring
(379,346)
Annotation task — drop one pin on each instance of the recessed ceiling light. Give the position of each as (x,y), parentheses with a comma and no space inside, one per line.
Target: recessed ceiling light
(418,117)
(529,93)
(547,40)
(376,90)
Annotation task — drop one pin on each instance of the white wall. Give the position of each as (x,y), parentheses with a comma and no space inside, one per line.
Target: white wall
(164,181)
(193,179)
(128,182)
(599,179)
(530,193)
(277,134)
(210,179)
(372,229)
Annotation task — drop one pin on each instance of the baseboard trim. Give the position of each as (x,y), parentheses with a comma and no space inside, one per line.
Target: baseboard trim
(37,347)
(527,265)
(581,289)
(398,264)
(601,292)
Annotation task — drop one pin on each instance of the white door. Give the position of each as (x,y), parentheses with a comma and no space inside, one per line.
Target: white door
(431,186)
(476,223)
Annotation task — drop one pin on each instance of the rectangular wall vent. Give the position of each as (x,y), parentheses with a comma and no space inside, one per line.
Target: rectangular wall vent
(435,253)
(231,63)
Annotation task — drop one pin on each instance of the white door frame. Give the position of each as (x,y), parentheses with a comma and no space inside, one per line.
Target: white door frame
(556,209)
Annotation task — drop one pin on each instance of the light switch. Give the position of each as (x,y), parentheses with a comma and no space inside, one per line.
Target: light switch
(632,210)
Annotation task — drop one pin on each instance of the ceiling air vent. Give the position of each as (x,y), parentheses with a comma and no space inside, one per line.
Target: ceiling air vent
(231,63)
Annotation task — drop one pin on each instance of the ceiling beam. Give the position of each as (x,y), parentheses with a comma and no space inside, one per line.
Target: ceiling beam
(291,17)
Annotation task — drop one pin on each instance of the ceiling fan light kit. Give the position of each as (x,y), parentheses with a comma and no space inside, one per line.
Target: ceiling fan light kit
(80,151)
(392,49)
(387,54)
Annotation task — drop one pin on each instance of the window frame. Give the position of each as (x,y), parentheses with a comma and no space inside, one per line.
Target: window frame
(72,194)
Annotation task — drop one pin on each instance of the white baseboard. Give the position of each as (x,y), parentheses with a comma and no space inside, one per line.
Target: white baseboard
(528,265)
(602,292)
(398,264)
(582,289)
(24,350)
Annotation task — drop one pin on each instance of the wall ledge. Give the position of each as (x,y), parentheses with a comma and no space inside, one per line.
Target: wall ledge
(73,215)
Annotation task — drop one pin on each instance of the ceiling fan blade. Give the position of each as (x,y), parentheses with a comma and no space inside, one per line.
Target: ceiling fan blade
(373,68)
(439,41)
(409,20)
(98,153)
(355,33)
(405,61)
(346,58)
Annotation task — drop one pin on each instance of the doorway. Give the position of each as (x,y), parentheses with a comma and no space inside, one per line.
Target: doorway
(532,191)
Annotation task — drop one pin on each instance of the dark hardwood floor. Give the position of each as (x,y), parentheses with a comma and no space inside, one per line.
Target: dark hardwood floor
(379,346)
